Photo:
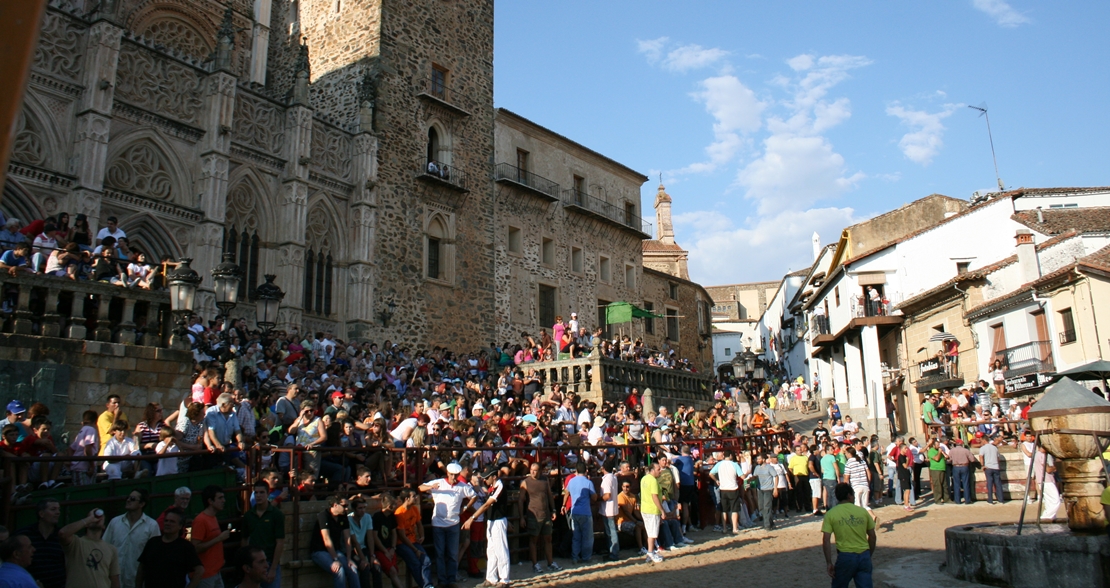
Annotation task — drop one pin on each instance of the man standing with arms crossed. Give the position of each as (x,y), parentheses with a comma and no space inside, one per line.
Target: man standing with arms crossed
(652,511)
(854,530)
(537,504)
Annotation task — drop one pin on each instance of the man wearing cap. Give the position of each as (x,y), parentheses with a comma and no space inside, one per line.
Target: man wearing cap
(448,496)
(572,326)
(337,399)
(16,413)
(961,459)
(496,509)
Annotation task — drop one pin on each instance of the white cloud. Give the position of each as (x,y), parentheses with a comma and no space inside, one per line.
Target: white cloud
(689,57)
(1001,12)
(652,48)
(925,138)
(769,246)
(736,112)
(794,172)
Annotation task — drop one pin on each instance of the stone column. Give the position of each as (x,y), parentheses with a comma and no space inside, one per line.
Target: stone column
(214,148)
(362,306)
(260,41)
(94,118)
(293,213)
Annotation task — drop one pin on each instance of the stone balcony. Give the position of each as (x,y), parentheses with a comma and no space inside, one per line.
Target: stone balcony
(600,378)
(97,311)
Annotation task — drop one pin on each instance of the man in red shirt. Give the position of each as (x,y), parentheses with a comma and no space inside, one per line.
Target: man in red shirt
(208,539)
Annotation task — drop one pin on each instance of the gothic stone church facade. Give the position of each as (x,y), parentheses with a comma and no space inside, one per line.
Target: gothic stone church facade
(346,146)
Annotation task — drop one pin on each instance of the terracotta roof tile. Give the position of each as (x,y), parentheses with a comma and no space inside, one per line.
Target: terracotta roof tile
(1059,220)
(654,245)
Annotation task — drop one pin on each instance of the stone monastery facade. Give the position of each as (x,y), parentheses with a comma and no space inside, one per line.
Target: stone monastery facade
(350,147)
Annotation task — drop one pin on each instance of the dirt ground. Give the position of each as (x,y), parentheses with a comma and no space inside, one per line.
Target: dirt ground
(789,555)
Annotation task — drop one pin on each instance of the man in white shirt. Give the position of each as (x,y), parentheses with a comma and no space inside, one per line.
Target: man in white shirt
(110,231)
(727,474)
(448,495)
(573,324)
(609,507)
(129,533)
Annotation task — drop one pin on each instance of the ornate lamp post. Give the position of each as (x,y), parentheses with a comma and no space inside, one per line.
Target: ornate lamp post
(268,298)
(227,277)
(182,282)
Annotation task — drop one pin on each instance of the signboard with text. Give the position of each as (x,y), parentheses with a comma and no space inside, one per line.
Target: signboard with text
(1027,383)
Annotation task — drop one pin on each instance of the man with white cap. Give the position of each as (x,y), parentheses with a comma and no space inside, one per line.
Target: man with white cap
(496,509)
(448,496)
(573,324)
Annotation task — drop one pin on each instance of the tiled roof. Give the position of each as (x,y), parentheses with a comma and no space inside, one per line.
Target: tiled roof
(654,245)
(1099,260)
(1059,220)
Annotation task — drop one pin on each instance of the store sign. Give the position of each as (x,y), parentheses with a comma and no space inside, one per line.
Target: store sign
(1027,383)
(929,368)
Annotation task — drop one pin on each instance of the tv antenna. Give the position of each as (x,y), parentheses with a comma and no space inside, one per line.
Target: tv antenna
(982,108)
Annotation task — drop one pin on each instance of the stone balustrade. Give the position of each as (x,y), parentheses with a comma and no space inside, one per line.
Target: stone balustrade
(599,378)
(96,311)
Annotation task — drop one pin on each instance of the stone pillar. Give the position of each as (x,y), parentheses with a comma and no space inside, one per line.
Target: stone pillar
(214,149)
(1082,481)
(362,305)
(260,41)
(293,213)
(94,119)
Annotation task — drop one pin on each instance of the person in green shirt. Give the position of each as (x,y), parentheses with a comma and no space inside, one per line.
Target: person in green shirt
(929,412)
(854,531)
(830,473)
(938,470)
(265,528)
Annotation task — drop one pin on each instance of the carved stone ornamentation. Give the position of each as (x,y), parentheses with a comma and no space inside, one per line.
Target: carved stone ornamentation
(360,274)
(29,146)
(290,255)
(318,230)
(93,127)
(331,150)
(258,124)
(242,209)
(141,169)
(59,50)
(180,35)
(158,84)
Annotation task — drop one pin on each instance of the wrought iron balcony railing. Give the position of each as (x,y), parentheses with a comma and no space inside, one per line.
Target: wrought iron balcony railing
(1028,358)
(512,173)
(625,217)
(437,171)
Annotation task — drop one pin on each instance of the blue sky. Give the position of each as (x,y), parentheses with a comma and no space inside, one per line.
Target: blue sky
(772,120)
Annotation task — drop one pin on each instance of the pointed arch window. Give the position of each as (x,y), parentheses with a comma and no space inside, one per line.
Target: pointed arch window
(243,245)
(319,271)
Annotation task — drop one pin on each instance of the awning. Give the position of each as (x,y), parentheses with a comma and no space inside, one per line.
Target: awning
(624,312)
(942,336)
(871,279)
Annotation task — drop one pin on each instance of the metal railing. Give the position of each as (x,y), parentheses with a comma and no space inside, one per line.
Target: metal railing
(868,308)
(1067,337)
(936,369)
(442,172)
(1027,358)
(819,325)
(512,173)
(612,212)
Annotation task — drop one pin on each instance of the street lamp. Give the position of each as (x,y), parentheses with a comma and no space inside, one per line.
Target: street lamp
(387,313)
(227,277)
(182,282)
(267,300)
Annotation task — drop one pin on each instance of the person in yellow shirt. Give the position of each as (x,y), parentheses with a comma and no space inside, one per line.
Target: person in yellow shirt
(111,414)
(854,530)
(798,464)
(651,508)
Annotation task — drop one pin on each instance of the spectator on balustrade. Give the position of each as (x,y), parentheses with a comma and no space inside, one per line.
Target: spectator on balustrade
(111,229)
(80,233)
(17,259)
(106,269)
(10,235)
(120,445)
(44,245)
(109,417)
(65,263)
(139,272)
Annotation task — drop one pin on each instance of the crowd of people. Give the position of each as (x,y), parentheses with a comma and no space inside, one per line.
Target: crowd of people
(54,247)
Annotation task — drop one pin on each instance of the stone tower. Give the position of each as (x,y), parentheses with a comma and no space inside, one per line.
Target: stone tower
(662,253)
(418,76)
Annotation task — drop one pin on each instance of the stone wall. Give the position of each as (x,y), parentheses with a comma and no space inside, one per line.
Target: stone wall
(736,302)
(917,215)
(72,376)
(521,268)
(692,306)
